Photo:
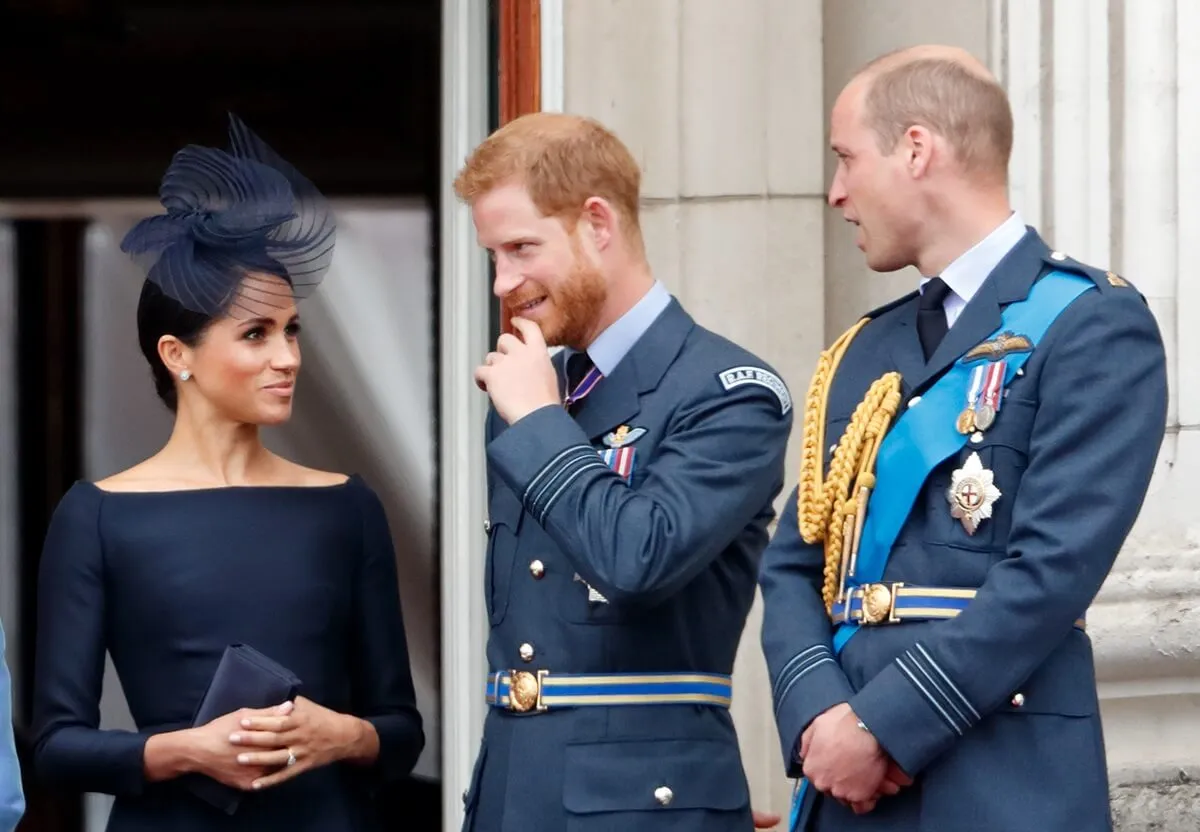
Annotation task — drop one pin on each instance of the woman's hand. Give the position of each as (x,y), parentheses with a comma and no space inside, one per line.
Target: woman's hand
(307,737)
(209,749)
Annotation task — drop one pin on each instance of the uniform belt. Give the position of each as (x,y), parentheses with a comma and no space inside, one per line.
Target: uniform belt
(540,690)
(894,603)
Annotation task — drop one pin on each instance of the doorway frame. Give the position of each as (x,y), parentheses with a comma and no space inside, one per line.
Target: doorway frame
(531,77)
(464,310)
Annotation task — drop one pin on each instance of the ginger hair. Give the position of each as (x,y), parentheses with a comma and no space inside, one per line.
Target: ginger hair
(562,160)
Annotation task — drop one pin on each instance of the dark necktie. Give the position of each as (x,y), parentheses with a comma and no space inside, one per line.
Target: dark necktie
(931,315)
(577,367)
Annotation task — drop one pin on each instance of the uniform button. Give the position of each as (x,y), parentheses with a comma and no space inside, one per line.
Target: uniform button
(1057,255)
(526,651)
(664,795)
(914,400)
(487,526)
(464,797)
(537,569)
(1018,700)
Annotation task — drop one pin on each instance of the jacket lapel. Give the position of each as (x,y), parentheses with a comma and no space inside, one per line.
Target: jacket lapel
(907,356)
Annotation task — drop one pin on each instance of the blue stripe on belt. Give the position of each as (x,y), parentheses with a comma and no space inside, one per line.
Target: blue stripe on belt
(540,690)
(893,603)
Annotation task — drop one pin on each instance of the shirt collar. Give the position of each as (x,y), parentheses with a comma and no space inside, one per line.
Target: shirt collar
(614,343)
(967,273)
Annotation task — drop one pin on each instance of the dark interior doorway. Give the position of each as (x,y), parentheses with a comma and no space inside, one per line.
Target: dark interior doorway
(95,96)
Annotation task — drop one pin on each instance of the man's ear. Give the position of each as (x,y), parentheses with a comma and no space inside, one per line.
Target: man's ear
(918,143)
(602,221)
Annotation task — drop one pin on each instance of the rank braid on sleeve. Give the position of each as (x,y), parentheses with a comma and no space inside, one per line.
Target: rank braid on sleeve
(829,510)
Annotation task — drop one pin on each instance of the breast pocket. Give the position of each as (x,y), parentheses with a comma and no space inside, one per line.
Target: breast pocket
(504,524)
(995,459)
(692,785)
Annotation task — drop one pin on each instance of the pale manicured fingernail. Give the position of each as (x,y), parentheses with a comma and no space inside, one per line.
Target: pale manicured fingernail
(245,723)
(235,737)
(243,758)
(257,785)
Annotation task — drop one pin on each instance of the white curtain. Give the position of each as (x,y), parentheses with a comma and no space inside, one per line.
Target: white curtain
(365,400)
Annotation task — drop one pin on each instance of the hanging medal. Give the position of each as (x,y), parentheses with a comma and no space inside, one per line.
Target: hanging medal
(992,395)
(965,423)
(585,386)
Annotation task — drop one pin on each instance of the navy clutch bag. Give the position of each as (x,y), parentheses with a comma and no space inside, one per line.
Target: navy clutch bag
(245,678)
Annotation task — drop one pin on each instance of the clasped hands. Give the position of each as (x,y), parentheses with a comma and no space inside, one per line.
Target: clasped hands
(265,740)
(847,763)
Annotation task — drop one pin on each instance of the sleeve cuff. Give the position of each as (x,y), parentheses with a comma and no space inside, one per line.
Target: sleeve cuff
(914,710)
(129,762)
(540,455)
(399,748)
(810,683)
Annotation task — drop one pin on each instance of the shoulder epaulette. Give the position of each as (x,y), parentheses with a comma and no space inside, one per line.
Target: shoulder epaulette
(1104,280)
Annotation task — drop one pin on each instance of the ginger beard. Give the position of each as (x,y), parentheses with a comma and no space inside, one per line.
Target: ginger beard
(568,309)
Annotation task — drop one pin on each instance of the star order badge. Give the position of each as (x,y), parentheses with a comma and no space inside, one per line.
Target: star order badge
(972,493)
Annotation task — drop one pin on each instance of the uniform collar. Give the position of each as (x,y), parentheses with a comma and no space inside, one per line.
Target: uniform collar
(966,274)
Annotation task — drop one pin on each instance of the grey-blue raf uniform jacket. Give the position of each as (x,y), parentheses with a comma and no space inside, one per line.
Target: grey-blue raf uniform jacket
(674,553)
(994,712)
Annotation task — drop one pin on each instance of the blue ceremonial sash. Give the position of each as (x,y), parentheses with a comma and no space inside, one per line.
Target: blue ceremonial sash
(797,804)
(925,434)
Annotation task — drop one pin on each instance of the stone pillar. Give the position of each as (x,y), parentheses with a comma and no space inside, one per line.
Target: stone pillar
(724,110)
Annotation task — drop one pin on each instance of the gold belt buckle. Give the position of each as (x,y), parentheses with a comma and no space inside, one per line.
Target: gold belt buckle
(525,691)
(879,603)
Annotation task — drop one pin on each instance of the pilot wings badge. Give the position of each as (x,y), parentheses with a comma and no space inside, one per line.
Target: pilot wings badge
(1003,344)
(972,493)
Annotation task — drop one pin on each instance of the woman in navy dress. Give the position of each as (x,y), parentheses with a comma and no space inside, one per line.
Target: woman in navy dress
(216,541)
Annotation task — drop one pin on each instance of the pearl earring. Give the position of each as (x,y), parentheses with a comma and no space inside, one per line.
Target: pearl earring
(185,375)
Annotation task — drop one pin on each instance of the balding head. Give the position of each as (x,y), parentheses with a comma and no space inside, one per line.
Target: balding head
(948,91)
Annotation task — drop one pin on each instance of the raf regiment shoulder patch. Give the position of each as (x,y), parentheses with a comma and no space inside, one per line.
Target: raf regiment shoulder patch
(737,376)
(1003,344)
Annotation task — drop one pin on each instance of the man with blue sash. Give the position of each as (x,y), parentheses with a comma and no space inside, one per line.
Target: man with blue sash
(974,455)
(631,482)
(12,795)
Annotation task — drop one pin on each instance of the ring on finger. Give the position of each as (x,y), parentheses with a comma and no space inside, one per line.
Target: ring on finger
(291,760)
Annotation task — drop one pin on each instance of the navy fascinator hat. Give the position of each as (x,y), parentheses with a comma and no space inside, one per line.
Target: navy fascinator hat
(233,220)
